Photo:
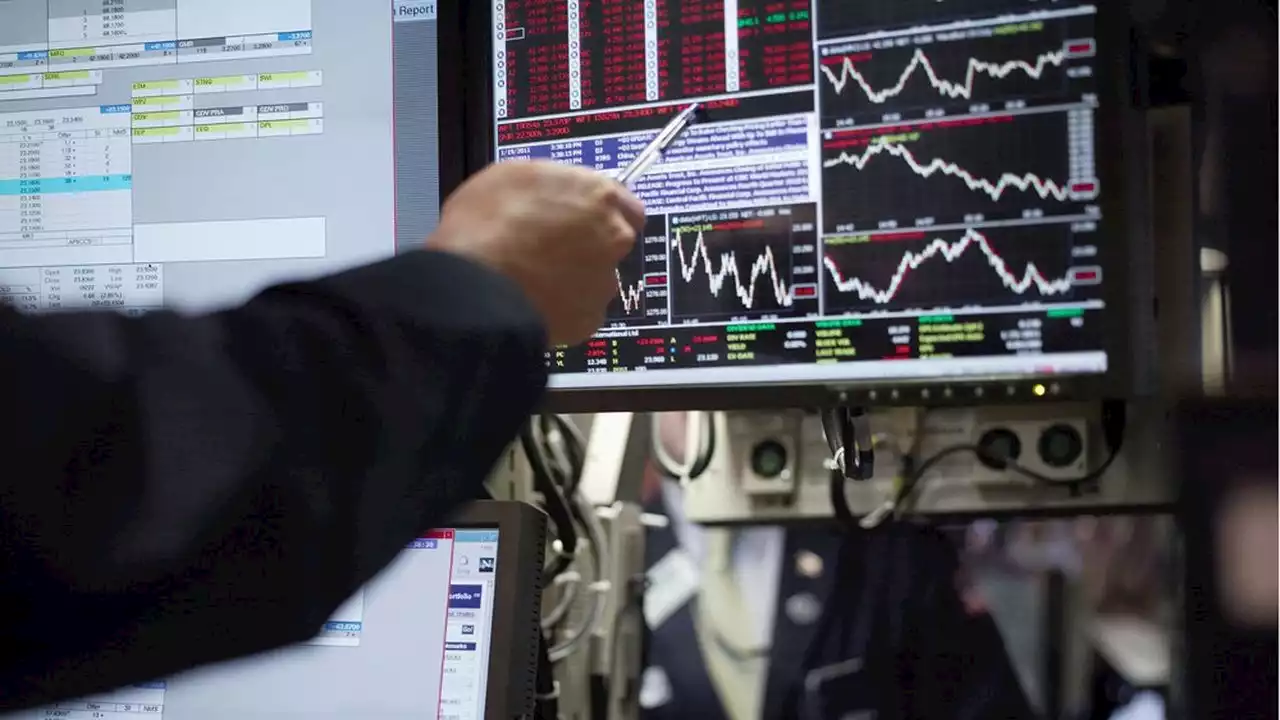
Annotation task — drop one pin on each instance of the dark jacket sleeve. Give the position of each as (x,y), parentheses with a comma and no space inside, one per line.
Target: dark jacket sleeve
(183,490)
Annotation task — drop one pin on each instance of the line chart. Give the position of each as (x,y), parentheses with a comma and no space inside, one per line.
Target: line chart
(724,272)
(954,268)
(957,171)
(936,74)
(641,279)
(946,88)
(630,294)
(744,263)
(995,189)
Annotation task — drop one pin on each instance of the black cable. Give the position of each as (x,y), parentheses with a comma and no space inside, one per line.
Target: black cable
(577,454)
(706,453)
(839,432)
(579,508)
(840,503)
(567,477)
(860,431)
(554,502)
(831,431)
(556,470)
(850,445)
(708,450)
(1113,428)
(546,704)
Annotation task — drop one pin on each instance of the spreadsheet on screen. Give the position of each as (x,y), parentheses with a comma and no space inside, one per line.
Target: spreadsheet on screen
(190,152)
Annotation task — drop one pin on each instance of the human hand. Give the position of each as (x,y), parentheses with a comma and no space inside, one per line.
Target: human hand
(558,231)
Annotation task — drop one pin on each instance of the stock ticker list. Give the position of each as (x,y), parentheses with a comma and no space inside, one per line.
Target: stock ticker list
(558,56)
(886,180)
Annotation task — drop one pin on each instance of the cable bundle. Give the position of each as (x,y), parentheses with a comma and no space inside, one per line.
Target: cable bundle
(556,451)
(847,432)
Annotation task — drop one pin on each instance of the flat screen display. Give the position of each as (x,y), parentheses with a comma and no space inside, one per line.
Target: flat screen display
(412,644)
(189,153)
(881,190)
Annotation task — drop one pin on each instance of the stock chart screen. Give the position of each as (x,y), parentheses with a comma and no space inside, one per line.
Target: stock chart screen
(879,190)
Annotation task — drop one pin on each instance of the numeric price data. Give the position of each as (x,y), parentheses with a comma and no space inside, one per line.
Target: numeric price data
(531,74)
(569,56)
(847,17)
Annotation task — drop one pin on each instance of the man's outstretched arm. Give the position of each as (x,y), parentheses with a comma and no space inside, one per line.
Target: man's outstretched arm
(179,491)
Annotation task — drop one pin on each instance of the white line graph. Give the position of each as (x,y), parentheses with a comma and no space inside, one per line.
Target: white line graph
(1031,277)
(920,61)
(1027,181)
(764,266)
(631,295)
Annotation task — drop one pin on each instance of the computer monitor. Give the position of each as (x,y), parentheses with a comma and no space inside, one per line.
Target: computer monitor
(900,193)
(189,153)
(449,631)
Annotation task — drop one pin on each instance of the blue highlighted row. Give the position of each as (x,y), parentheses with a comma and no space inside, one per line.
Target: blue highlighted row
(124,109)
(476,536)
(48,186)
(290,36)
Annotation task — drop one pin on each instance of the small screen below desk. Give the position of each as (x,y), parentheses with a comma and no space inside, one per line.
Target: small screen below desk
(414,643)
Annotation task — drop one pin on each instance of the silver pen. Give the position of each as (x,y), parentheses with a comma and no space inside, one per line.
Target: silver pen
(652,152)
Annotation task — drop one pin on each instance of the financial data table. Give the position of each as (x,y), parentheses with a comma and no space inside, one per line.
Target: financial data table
(66,178)
(557,56)
(132,288)
(40,35)
(134,703)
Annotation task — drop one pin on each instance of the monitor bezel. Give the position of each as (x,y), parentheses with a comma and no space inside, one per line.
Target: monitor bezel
(517,606)
(1120,151)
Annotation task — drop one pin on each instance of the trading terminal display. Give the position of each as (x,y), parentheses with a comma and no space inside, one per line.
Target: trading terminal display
(571,55)
(181,153)
(887,180)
